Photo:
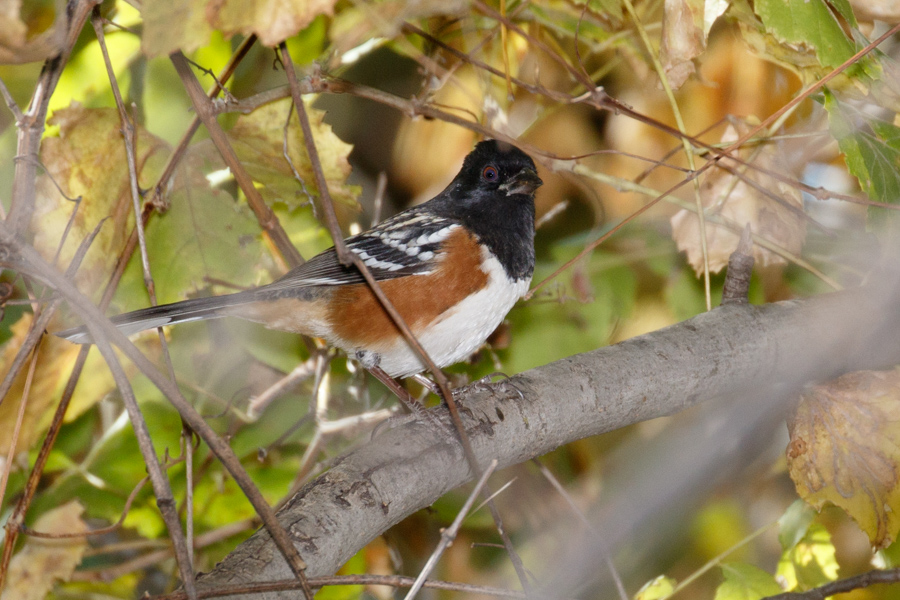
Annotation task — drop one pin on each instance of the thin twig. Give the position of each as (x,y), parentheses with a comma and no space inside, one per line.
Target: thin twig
(378,201)
(161,485)
(264,215)
(449,534)
(548,475)
(31,125)
(31,262)
(324,194)
(17,518)
(43,319)
(180,150)
(398,581)
(300,373)
(842,586)
(93,532)
(165,501)
(157,556)
(17,427)
(686,144)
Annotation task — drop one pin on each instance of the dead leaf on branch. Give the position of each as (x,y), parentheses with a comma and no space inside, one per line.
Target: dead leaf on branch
(273,21)
(258,140)
(25,40)
(87,160)
(845,449)
(780,220)
(171,26)
(41,562)
(686,26)
(50,377)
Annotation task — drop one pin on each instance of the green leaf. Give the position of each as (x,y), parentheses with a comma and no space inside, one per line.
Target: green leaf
(808,22)
(746,582)
(871,150)
(811,562)
(205,234)
(549,328)
(794,524)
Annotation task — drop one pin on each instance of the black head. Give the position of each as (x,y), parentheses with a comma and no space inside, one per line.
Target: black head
(493,196)
(495,168)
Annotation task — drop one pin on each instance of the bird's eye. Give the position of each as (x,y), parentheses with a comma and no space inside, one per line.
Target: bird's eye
(490,173)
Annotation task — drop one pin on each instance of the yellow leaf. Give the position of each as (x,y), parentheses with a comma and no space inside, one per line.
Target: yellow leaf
(87,160)
(55,363)
(272,21)
(171,25)
(777,216)
(845,449)
(41,561)
(810,562)
(258,140)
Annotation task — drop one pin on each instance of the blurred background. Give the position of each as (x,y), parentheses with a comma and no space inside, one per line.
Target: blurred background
(517,69)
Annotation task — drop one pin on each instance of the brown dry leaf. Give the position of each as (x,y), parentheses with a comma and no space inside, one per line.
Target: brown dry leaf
(258,140)
(781,222)
(845,449)
(42,562)
(87,159)
(50,377)
(686,25)
(273,21)
(682,39)
(20,42)
(171,25)
(359,23)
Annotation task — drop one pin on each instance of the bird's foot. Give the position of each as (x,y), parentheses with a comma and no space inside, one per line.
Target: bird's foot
(487,384)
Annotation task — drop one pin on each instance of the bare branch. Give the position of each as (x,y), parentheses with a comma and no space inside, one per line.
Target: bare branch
(267,219)
(782,345)
(842,586)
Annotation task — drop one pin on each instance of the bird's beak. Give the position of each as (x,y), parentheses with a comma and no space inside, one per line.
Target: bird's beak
(525,182)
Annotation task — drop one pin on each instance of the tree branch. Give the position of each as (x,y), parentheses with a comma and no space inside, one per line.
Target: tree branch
(735,351)
(842,586)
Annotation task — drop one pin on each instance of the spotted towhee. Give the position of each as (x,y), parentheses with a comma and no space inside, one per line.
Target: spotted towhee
(453,267)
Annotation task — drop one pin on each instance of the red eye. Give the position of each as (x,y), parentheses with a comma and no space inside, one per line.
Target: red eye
(490,173)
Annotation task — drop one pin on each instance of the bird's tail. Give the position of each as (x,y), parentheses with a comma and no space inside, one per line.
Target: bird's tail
(195,309)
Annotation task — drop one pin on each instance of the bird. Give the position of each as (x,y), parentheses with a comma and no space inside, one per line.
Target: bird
(453,267)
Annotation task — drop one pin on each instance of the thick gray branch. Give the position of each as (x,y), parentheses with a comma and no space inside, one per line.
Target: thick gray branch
(720,354)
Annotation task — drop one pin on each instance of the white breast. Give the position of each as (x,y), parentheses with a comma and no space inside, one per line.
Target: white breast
(460,331)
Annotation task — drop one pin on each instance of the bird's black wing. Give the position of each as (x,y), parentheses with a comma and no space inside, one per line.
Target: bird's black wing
(406,244)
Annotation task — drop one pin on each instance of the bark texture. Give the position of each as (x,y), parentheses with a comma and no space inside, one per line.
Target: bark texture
(731,351)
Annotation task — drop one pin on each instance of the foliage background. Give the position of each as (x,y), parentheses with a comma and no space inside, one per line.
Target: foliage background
(712,69)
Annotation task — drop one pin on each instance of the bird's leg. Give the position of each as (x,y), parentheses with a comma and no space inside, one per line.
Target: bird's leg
(413,405)
(435,389)
(427,383)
